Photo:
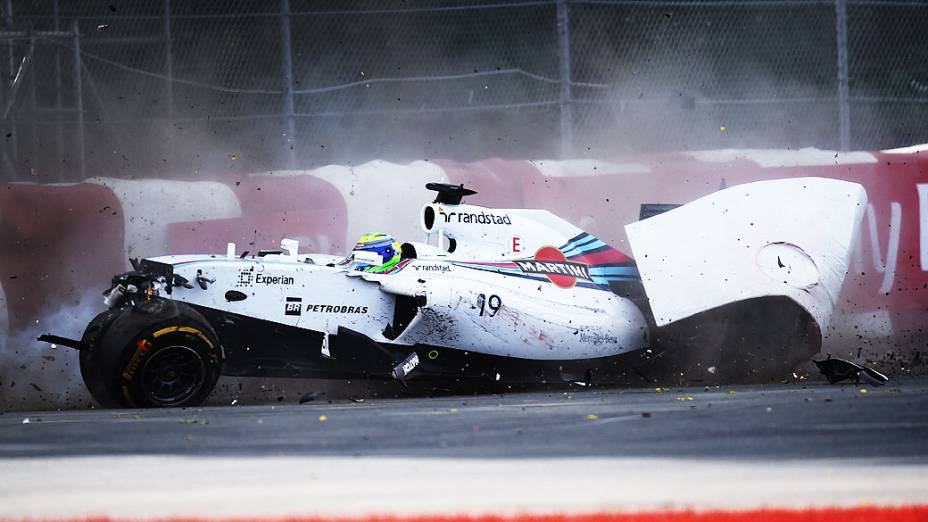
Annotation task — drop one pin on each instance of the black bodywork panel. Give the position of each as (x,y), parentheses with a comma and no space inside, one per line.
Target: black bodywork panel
(649,210)
(756,340)
(837,370)
(449,194)
(144,272)
(255,347)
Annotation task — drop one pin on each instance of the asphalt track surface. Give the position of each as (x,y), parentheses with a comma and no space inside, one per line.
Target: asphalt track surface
(800,444)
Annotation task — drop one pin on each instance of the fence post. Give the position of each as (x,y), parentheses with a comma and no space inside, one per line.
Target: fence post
(33,104)
(844,109)
(169,88)
(59,128)
(288,81)
(13,140)
(563,47)
(78,99)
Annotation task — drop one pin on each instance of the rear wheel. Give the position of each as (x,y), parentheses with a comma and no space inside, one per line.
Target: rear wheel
(157,354)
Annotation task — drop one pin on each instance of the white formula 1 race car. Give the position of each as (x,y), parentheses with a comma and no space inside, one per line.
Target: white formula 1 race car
(512,295)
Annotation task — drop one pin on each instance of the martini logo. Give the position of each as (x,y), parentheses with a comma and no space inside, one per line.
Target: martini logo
(550,262)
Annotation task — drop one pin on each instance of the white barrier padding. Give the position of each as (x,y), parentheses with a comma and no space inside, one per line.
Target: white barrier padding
(586,167)
(380,196)
(911,149)
(789,237)
(150,205)
(807,157)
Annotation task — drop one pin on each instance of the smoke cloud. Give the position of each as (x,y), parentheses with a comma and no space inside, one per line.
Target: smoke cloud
(38,376)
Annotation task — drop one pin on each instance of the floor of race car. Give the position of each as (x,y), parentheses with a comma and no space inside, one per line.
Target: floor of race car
(579,451)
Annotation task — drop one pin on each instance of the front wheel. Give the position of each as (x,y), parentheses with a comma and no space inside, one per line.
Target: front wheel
(157,354)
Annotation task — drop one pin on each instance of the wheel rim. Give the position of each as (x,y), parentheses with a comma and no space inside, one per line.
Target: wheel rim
(172,375)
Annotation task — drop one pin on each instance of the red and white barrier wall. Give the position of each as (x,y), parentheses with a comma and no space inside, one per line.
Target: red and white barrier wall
(56,240)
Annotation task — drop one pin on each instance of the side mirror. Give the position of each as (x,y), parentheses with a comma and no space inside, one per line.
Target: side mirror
(290,246)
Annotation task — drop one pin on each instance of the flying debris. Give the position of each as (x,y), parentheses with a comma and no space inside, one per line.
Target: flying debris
(837,370)
(309,397)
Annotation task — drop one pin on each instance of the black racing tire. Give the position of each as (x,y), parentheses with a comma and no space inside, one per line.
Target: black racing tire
(156,354)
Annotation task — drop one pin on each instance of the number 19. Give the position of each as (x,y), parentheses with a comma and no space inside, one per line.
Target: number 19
(493,303)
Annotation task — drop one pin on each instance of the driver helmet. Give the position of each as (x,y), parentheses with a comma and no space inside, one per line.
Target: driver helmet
(387,250)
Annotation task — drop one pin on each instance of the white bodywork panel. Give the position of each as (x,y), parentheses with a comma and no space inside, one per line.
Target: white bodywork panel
(483,233)
(790,237)
(269,281)
(533,319)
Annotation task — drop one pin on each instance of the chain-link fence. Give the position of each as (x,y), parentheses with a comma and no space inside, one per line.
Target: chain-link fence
(182,88)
